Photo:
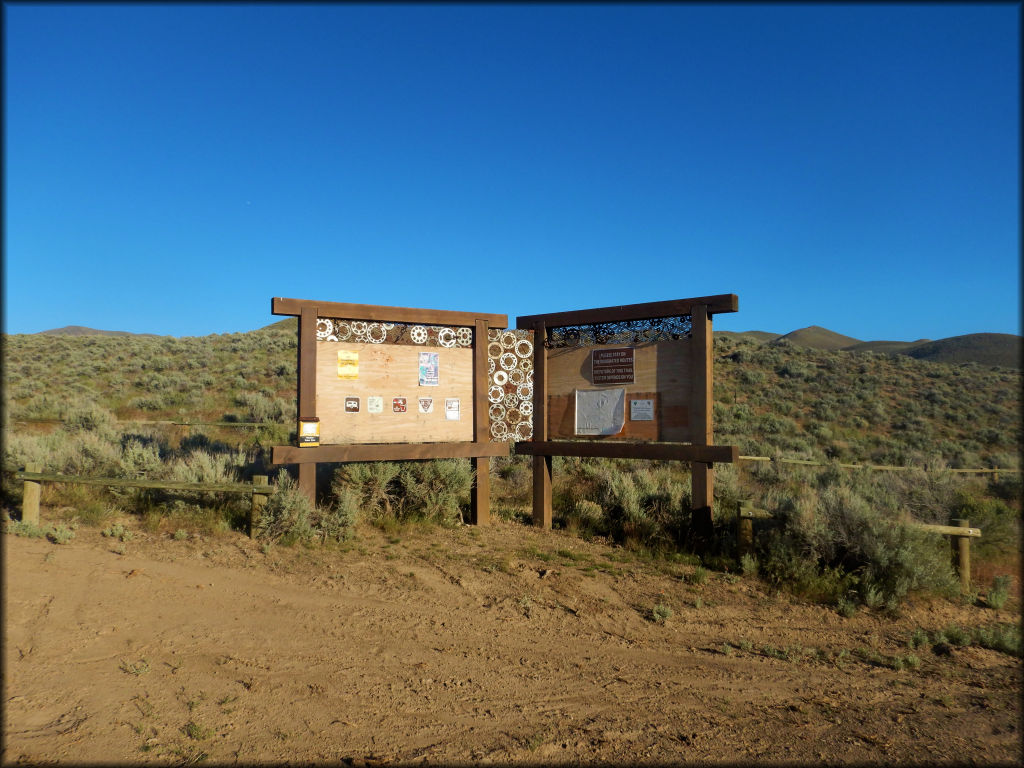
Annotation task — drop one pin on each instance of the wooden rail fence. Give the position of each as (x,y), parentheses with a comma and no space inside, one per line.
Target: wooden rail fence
(960,538)
(994,471)
(33,476)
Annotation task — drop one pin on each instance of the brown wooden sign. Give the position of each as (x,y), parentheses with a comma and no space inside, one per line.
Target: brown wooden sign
(612,366)
(387,402)
(649,367)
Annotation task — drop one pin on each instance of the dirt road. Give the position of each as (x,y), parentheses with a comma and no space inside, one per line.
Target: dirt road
(501,644)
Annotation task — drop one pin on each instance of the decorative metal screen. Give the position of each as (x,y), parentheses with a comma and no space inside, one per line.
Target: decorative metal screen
(510,383)
(335,329)
(623,332)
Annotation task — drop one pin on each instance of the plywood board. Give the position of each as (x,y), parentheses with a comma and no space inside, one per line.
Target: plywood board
(662,372)
(391,371)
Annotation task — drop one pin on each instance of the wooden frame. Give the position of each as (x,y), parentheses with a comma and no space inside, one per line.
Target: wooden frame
(701,451)
(479,449)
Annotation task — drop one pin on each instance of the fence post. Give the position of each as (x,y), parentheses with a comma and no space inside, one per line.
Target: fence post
(962,555)
(995,475)
(744,530)
(30,496)
(259,500)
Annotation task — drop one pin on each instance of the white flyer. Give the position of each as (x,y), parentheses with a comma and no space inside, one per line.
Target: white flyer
(600,411)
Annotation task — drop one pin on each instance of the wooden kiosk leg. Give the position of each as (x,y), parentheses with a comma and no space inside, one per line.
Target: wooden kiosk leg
(480,495)
(542,491)
(702,498)
(307,480)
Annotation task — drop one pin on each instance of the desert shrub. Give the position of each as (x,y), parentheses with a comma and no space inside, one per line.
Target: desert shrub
(999,523)
(435,491)
(287,516)
(838,541)
(264,409)
(643,503)
(338,521)
(85,416)
(999,593)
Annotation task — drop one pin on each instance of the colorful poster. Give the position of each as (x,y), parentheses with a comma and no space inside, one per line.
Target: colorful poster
(375,404)
(429,369)
(398,405)
(426,405)
(348,364)
(351,405)
(451,409)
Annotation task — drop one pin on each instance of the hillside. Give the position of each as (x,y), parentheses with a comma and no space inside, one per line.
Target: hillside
(81,330)
(816,337)
(769,397)
(1002,349)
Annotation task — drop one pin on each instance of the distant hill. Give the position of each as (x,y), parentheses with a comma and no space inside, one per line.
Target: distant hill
(997,349)
(762,336)
(816,337)
(81,330)
(1002,349)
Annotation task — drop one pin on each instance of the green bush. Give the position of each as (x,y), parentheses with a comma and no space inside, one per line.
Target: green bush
(999,592)
(435,491)
(287,517)
(834,543)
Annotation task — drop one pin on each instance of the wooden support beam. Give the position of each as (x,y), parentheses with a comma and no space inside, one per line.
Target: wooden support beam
(307,389)
(290,454)
(962,555)
(30,495)
(542,512)
(727,302)
(259,501)
(710,454)
(480,496)
(375,313)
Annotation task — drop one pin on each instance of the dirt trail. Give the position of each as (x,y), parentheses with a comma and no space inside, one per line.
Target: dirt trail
(500,644)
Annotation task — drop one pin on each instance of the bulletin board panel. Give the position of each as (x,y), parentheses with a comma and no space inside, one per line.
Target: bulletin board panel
(662,373)
(391,371)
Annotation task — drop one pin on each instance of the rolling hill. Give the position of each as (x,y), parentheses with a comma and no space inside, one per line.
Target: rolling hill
(81,330)
(816,337)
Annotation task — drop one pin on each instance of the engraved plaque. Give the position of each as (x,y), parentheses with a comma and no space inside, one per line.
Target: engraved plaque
(612,366)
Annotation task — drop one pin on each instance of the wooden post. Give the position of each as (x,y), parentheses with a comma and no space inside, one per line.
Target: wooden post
(702,475)
(995,475)
(541,464)
(744,530)
(480,496)
(259,500)
(31,492)
(307,390)
(962,555)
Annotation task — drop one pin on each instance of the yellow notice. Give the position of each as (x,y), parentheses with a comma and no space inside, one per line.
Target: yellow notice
(348,365)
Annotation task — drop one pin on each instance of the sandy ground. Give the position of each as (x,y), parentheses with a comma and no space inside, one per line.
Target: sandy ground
(466,645)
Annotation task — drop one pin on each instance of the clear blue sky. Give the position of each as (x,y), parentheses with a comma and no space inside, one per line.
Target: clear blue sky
(168,169)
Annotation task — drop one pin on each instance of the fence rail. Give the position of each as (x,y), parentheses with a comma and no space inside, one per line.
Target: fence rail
(960,538)
(259,489)
(166,421)
(994,471)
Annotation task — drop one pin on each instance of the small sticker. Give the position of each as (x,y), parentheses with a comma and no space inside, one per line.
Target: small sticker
(451,409)
(398,405)
(375,404)
(426,405)
(351,405)
(429,368)
(348,364)
(641,410)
